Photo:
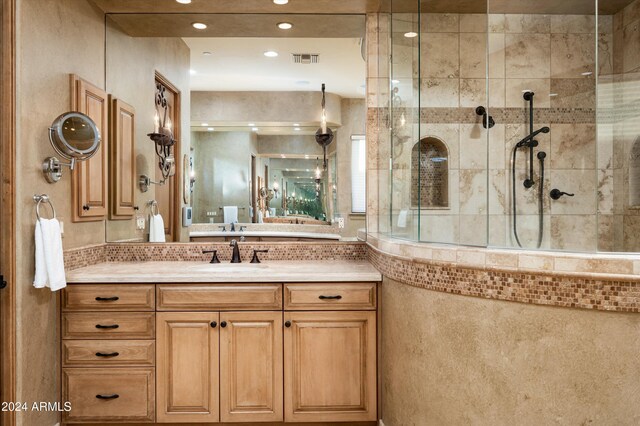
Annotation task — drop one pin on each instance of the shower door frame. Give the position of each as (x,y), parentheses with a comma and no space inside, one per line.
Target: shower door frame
(7,207)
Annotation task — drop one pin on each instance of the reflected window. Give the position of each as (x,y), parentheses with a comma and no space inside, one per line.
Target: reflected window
(430,174)
(358,174)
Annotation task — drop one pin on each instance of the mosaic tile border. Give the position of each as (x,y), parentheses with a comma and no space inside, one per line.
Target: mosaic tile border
(538,288)
(84,256)
(501,115)
(145,252)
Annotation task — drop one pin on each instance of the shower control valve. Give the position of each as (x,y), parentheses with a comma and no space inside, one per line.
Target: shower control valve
(556,194)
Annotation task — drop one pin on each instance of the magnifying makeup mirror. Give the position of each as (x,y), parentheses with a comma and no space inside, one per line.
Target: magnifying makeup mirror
(75,137)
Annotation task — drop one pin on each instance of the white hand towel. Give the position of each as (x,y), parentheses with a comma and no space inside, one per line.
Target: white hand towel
(402,219)
(156,229)
(49,255)
(230,214)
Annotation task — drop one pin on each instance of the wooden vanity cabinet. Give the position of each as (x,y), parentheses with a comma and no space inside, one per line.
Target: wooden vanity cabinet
(273,354)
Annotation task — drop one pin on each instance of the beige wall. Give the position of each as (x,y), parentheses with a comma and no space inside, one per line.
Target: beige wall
(55,38)
(456,360)
(256,107)
(131,66)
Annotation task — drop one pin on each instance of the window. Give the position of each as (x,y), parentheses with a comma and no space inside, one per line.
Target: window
(358,174)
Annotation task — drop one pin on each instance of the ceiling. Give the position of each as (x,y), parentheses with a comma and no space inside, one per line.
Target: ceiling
(239,64)
(323,7)
(238,6)
(240,25)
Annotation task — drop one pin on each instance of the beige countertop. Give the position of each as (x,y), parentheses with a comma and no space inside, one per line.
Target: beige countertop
(202,272)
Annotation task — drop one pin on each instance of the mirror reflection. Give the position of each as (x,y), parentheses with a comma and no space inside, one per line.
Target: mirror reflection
(246,119)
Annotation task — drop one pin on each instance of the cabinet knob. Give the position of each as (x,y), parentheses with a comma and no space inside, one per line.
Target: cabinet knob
(213,324)
(287,324)
(86,207)
(223,324)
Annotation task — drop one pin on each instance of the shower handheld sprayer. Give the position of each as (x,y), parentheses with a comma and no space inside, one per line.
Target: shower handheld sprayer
(529,142)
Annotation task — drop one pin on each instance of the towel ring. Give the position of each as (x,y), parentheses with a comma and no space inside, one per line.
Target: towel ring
(152,204)
(44,198)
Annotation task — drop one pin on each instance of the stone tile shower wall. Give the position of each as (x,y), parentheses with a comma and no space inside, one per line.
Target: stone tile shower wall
(619,137)
(552,55)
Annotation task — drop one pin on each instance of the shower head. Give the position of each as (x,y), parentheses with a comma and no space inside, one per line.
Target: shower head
(529,138)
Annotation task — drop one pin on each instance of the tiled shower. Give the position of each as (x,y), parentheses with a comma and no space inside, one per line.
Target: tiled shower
(444,170)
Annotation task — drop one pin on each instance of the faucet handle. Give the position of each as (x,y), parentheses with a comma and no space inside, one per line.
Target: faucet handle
(242,228)
(255,255)
(223,227)
(214,259)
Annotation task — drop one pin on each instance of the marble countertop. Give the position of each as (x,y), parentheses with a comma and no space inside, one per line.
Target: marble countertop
(202,272)
(287,234)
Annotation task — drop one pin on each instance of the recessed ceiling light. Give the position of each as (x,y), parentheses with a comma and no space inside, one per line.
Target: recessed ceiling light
(184,1)
(297,129)
(199,25)
(206,53)
(281,1)
(296,124)
(211,129)
(251,124)
(285,25)
(255,129)
(411,34)
(192,72)
(204,124)
(270,53)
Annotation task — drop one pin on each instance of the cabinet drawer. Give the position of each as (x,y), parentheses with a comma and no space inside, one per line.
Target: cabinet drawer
(109,394)
(102,353)
(219,297)
(351,296)
(108,325)
(119,297)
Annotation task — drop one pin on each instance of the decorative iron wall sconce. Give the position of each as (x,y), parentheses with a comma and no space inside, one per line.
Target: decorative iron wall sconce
(324,135)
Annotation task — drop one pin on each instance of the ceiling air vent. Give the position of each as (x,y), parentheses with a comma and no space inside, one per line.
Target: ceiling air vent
(305,58)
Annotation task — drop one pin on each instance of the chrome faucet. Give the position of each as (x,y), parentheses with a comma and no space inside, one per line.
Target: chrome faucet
(235,258)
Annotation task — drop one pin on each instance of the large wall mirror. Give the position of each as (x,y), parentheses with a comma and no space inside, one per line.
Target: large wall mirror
(244,104)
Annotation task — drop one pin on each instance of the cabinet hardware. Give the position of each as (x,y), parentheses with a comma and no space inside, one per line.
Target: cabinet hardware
(107,299)
(107,355)
(86,207)
(223,324)
(107,326)
(213,324)
(114,396)
(287,324)
(3,282)
(338,297)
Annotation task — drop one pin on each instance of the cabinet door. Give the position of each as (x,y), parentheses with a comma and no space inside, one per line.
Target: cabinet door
(89,178)
(187,379)
(330,366)
(251,382)
(123,160)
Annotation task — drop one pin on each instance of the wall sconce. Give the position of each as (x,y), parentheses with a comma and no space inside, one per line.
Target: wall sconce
(324,135)
(276,187)
(162,137)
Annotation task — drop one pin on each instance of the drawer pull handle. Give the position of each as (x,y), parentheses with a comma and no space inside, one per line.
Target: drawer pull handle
(322,297)
(114,396)
(107,355)
(107,326)
(107,299)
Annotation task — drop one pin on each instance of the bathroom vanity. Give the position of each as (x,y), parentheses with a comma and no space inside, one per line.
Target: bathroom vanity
(185,342)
